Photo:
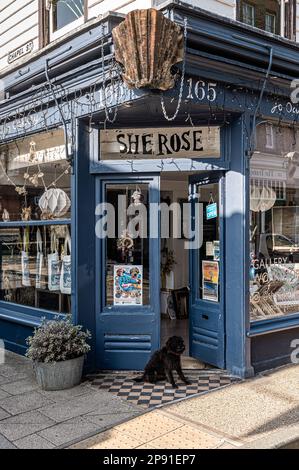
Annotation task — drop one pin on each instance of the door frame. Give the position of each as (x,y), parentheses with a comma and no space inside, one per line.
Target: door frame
(194,266)
(150,314)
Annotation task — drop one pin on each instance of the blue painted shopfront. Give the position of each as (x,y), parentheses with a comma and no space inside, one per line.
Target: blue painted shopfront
(235,78)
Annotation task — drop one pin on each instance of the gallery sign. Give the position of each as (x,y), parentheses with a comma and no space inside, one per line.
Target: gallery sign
(180,142)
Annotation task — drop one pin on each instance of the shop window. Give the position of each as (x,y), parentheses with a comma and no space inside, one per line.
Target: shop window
(270,22)
(274,229)
(248,14)
(65,15)
(127,249)
(35,235)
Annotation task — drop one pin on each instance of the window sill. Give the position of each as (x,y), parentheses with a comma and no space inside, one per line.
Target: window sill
(24,315)
(21,223)
(264,327)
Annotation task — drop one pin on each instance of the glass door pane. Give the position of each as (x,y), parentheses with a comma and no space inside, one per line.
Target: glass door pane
(127,253)
(209,256)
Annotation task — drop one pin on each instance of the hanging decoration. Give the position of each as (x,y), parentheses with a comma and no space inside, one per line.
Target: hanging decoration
(125,243)
(26,214)
(32,151)
(137,197)
(147,45)
(5,215)
(262,198)
(54,203)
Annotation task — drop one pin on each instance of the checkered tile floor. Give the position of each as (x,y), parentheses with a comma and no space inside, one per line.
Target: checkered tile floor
(150,395)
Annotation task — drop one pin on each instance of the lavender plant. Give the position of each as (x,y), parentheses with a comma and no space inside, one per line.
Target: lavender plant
(57,340)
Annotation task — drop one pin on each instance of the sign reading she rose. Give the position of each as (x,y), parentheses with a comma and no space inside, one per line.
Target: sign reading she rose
(183,142)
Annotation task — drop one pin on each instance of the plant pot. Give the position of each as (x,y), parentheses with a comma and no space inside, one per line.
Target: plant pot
(59,375)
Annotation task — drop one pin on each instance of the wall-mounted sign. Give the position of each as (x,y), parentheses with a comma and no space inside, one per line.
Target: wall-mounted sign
(211,211)
(20,52)
(182,142)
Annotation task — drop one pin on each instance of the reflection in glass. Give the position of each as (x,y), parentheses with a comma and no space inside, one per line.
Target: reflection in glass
(35,179)
(274,230)
(66,11)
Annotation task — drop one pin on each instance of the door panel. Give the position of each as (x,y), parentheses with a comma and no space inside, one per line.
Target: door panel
(206,271)
(128,279)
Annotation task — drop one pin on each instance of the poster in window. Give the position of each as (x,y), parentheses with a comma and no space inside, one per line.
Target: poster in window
(127,285)
(210,280)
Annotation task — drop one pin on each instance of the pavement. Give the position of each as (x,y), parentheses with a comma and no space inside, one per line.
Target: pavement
(31,418)
(262,412)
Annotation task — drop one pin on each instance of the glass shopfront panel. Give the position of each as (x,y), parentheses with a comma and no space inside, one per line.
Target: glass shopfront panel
(35,266)
(35,258)
(274,228)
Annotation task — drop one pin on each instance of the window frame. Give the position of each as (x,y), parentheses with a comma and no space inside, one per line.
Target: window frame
(53,35)
(269,14)
(253,9)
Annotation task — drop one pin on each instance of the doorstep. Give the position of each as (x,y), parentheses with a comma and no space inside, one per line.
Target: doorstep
(147,395)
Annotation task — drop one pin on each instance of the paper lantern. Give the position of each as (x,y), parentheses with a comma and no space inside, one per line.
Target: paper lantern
(262,199)
(54,202)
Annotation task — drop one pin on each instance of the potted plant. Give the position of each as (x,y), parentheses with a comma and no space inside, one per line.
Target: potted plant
(57,349)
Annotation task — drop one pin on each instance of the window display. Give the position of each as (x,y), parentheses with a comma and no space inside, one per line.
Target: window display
(35,266)
(127,254)
(35,257)
(274,228)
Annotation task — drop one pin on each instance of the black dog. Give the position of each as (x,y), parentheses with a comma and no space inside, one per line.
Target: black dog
(164,361)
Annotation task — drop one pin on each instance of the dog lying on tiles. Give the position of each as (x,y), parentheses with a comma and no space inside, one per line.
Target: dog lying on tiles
(164,361)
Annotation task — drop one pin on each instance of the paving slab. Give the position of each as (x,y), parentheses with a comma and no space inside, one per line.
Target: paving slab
(24,402)
(23,424)
(97,402)
(106,420)
(19,386)
(4,394)
(68,431)
(5,443)
(111,439)
(184,437)
(64,395)
(3,414)
(34,441)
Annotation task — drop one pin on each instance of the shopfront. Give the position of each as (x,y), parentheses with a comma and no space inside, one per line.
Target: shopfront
(145,214)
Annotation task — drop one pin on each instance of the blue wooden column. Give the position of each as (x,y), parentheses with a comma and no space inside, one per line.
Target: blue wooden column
(237,263)
(83,250)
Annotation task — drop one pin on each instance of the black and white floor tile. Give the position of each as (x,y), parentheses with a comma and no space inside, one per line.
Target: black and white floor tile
(150,395)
